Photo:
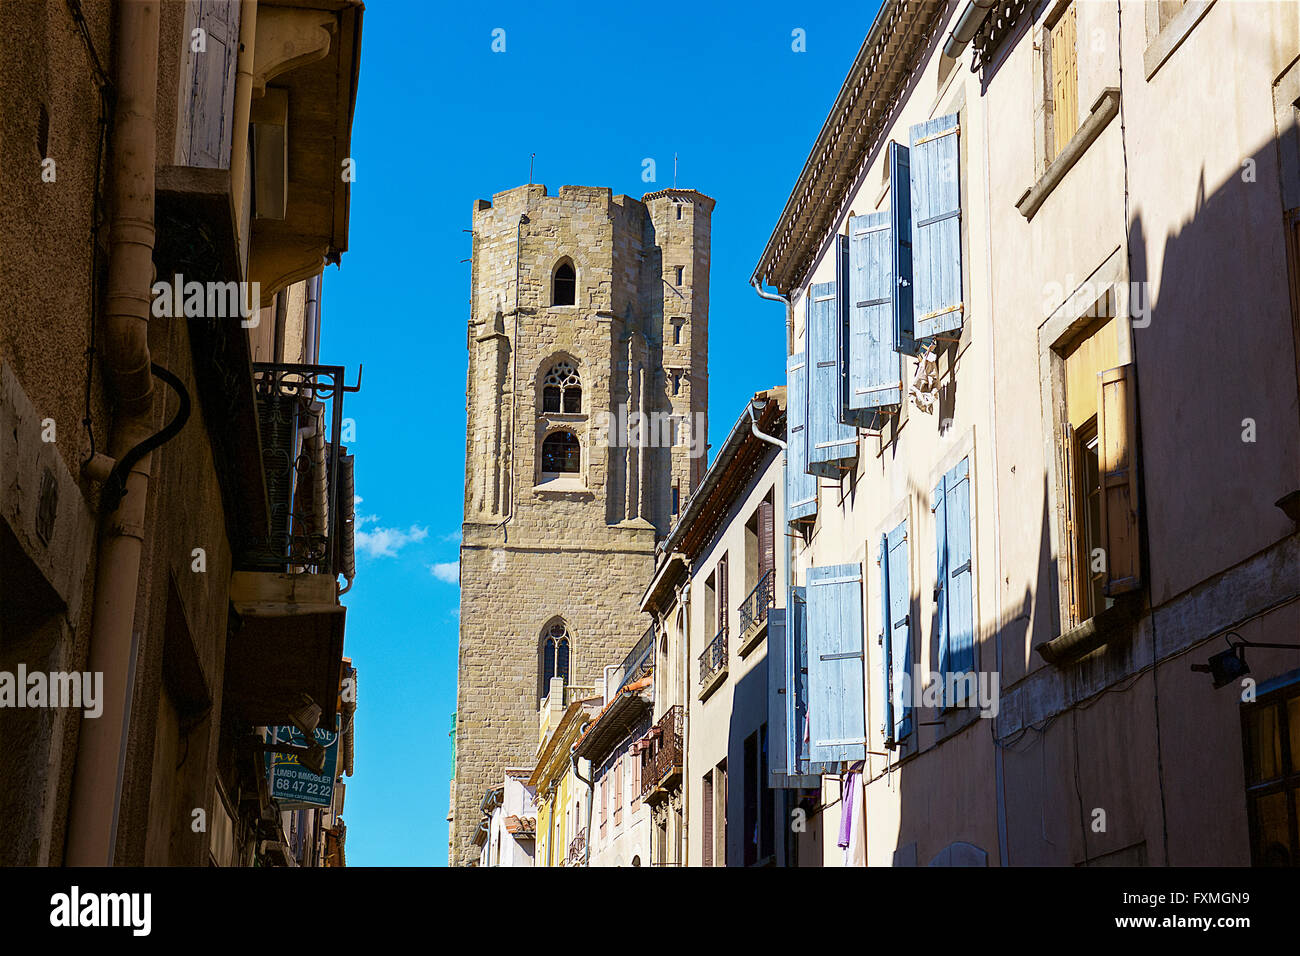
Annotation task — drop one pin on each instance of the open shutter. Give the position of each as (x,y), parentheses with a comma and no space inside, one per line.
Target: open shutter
(1118,464)
(900,218)
(961,605)
(831,444)
(706,796)
(937,506)
(884,660)
(797,681)
(899,600)
(1070,549)
(936,227)
(778,689)
(766,539)
(208,117)
(800,487)
(724,598)
(835,666)
(874,378)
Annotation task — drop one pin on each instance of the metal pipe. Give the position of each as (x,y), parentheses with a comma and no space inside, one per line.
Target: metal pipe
(243,109)
(968,24)
(789,312)
(93,803)
(311,351)
(591,796)
(685,600)
(763,435)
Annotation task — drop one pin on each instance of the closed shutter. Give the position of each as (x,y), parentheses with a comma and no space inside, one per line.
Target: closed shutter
(1065,80)
(1118,464)
(211,108)
(954,592)
(797,680)
(800,487)
(831,444)
(1070,551)
(787,683)
(706,805)
(835,666)
(936,227)
(885,657)
(766,538)
(900,220)
(899,599)
(873,378)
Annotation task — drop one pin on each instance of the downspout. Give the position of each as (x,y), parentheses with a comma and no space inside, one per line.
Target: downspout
(789,312)
(591,794)
(684,602)
(312,348)
(243,109)
(97,778)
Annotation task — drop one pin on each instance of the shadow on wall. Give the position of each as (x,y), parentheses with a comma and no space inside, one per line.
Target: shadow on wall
(1216,359)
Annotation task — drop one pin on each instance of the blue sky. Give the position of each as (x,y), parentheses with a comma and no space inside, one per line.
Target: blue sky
(441,120)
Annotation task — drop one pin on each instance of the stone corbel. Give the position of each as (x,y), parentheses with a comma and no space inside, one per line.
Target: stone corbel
(287,39)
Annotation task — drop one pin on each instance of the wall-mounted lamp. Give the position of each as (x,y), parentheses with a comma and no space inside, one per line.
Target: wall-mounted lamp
(1228,666)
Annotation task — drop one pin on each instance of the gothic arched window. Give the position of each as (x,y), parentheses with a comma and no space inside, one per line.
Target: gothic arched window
(555,655)
(562,389)
(564,287)
(561,454)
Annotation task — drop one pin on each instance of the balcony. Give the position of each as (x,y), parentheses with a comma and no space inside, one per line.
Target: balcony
(661,757)
(577,849)
(713,664)
(753,612)
(639,660)
(285,588)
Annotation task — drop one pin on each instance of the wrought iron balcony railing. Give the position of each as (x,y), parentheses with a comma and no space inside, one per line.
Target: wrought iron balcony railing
(661,759)
(714,658)
(577,847)
(638,660)
(309,478)
(753,610)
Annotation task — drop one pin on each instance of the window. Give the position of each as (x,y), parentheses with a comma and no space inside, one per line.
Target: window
(1271,727)
(894,659)
(1095,350)
(678,324)
(604,803)
(555,655)
(561,454)
(758,808)
(677,497)
(679,210)
(1063,50)
(564,287)
(681,273)
(562,390)
(720,814)
(954,590)
(618,793)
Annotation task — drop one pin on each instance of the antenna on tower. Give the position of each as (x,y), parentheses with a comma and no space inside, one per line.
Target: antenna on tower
(531,157)
(674,170)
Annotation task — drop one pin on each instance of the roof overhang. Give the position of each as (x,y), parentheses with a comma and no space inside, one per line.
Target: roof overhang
(851,132)
(619,718)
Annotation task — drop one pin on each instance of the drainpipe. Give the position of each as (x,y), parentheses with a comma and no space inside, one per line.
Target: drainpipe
(789,312)
(243,108)
(312,348)
(684,602)
(968,24)
(97,779)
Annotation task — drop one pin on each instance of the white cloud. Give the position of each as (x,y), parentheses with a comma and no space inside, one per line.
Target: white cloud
(386,542)
(448,572)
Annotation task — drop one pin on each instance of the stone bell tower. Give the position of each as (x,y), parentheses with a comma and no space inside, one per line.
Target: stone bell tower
(586,425)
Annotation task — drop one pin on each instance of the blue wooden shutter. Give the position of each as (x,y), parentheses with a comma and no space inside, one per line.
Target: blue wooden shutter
(873,379)
(936,227)
(961,607)
(778,690)
(954,591)
(831,444)
(800,487)
(835,666)
(900,217)
(885,659)
(899,600)
(797,669)
(940,575)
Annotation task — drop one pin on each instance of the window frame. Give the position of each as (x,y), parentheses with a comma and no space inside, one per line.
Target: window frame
(1286,781)
(561,263)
